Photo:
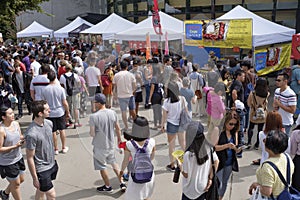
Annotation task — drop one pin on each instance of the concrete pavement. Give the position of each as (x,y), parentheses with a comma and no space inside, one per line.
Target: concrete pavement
(78,180)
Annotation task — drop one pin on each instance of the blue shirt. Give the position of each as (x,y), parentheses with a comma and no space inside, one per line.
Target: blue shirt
(229,154)
(188,95)
(295,78)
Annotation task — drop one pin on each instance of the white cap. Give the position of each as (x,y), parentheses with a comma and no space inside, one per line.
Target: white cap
(239,104)
(15,54)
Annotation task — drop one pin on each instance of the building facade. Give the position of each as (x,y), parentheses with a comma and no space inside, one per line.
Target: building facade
(284,12)
(280,11)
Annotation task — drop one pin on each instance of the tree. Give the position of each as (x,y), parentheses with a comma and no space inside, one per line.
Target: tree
(10,9)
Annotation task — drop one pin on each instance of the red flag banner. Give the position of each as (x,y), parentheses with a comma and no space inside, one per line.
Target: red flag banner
(156,19)
(296,47)
(166,44)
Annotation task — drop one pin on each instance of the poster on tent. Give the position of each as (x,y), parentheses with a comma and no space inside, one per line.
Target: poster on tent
(271,59)
(219,33)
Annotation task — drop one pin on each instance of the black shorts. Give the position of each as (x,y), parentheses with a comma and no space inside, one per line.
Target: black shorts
(138,96)
(59,123)
(46,178)
(13,170)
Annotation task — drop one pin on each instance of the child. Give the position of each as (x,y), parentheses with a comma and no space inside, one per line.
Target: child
(140,140)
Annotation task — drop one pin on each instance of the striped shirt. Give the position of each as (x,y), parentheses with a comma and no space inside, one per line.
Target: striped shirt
(287,98)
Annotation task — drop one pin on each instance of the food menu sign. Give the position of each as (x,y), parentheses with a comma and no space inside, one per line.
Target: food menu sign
(219,33)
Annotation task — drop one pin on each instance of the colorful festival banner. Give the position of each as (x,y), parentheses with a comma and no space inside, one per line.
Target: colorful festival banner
(221,34)
(272,59)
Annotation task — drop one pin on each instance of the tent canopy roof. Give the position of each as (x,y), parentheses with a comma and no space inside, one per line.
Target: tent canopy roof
(34,30)
(63,32)
(110,26)
(265,32)
(169,24)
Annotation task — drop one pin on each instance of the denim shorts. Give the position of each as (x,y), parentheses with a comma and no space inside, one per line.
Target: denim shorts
(171,128)
(127,102)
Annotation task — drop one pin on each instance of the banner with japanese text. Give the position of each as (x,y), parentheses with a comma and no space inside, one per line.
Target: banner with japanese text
(219,33)
(272,59)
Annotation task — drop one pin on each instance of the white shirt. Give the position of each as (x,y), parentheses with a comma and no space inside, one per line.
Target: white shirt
(264,154)
(174,110)
(35,67)
(287,98)
(124,80)
(92,73)
(193,186)
(62,79)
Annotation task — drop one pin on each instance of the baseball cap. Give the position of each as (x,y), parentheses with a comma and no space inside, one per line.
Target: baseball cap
(100,98)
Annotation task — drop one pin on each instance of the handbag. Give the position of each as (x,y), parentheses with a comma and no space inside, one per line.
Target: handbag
(198,92)
(212,193)
(185,118)
(256,195)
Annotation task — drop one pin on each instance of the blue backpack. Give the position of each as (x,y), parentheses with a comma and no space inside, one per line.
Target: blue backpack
(286,193)
(142,168)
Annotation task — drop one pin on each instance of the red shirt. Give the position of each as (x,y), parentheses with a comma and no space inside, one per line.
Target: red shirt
(61,71)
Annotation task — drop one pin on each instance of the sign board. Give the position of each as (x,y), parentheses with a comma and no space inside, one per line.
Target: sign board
(219,33)
(272,59)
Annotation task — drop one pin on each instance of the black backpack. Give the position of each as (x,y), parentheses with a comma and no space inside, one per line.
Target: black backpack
(71,87)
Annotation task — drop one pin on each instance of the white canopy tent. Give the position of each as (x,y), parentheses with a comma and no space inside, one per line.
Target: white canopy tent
(64,31)
(265,32)
(34,30)
(169,24)
(110,26)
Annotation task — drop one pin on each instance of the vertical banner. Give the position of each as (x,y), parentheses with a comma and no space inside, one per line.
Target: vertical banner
(272,59)
(148,47)
(156,19)
(166,44)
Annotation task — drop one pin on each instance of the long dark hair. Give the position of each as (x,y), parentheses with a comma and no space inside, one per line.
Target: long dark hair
(199,145)
(3,110)
(173,92)
(261,87)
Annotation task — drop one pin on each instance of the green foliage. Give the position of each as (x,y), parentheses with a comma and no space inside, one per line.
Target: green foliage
(9,9)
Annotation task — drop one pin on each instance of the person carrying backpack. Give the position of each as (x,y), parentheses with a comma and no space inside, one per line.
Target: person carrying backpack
(268,180)
(71,82)
(142,149)
(257,102)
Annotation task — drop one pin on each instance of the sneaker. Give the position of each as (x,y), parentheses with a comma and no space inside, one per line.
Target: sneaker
(56,152)
(123,187)
(77,125)
(169,168)
(104,189)
(65,150)
(3,195)
(125,177)
(129,120)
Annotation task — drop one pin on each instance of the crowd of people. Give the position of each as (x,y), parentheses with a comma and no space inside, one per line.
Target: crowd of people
(56,81)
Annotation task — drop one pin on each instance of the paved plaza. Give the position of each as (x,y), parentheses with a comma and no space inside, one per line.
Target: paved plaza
(78,180)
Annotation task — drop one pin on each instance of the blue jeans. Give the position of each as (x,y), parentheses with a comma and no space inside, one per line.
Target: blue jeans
(287,129)
(223,176)
(147,88)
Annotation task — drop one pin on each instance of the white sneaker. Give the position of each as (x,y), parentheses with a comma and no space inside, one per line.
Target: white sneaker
(56,152)
(65,150)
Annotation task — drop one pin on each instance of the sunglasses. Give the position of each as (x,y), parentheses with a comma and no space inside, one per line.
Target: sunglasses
(232,124)
(278,80)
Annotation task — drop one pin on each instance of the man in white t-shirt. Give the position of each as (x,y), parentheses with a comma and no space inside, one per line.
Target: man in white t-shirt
(93,79)
(38,83)
(125,83)
(285,101)
(34,66)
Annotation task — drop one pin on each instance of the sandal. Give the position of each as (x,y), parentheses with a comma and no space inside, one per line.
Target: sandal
(256,162)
